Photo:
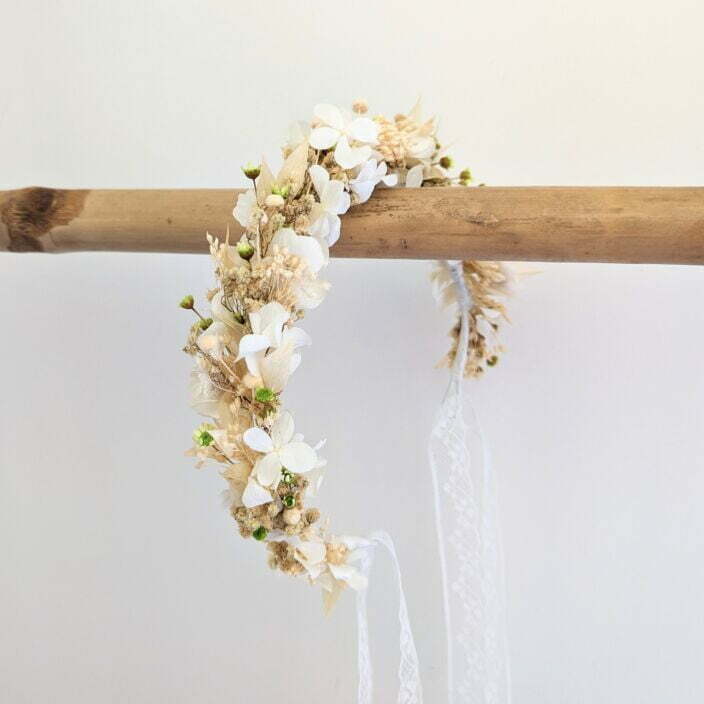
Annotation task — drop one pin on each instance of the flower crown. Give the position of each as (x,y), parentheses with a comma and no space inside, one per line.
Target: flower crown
(248,347)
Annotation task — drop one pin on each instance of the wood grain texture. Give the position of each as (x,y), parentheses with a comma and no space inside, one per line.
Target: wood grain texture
(614,224)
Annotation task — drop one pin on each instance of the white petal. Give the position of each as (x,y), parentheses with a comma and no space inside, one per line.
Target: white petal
(296,337)
(347,573)
(244,207)
(310,293)
(307,248)
(298,457)
(269,321)
(282,429)
(320,227)
(390,180)
(333,228)
(310,551)
(363,129)
(250,344)
(363,190)
(414,177)
(258,440)
(276,368)
(349,157)
(421,147)
(267,469)
(294,363)
(343,203)
(320,178)
(330,115)
(332,194)
(255,494)
(324,137)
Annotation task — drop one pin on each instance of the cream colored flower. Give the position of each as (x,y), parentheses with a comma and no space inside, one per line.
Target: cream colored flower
(311,249)
(334,201)
(280,450)
(367,178)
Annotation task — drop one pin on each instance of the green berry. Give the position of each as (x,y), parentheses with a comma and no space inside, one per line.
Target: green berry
(446,162)
(264,395)
(492,361)
(245,249)
(465,175)
(260,533)
(289,501)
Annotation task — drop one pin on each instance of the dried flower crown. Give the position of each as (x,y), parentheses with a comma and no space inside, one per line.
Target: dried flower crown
(249,346)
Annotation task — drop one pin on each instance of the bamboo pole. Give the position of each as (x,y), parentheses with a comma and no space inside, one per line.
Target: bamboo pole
(649,225)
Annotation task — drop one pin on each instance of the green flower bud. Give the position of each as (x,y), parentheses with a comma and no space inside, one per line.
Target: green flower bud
(446,162)
(282,191)
(465,175)
(205,323)
(264,395)
(286,476)
(251,170)
(289,500)
(187,302)
(260,533)
(202,436)
(492,361)
(245,249)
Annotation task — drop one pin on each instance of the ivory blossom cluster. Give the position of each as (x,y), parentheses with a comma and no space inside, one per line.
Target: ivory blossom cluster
(250,342)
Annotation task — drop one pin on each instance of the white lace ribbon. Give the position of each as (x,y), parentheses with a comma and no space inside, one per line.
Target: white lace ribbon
(410,690)
(471,558)
(469,540)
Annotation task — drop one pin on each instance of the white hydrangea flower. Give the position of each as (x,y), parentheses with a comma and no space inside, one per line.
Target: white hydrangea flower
(335,124)
(337,129)
(414,177)
(334,201)
(367,178)
(279,450)
(244,208)
(311,249)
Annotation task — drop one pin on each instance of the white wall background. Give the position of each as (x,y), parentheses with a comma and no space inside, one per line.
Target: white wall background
(121,578)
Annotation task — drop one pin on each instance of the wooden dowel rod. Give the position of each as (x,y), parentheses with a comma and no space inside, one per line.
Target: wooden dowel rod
(649,225)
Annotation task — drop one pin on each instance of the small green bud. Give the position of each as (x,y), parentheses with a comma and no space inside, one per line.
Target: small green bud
(446,162)
(492,361)
(286,476)
(260,533)
(282,191)
(202,436)
(465,175)
(187,302)
(205,323)
(289,500)
(264,395)
(251,170)
(245,249)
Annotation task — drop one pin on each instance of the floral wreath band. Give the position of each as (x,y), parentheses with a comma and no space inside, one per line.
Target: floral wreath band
(248,346)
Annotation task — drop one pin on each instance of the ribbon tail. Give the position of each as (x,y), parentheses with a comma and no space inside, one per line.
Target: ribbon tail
(410,688)
(471,560)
